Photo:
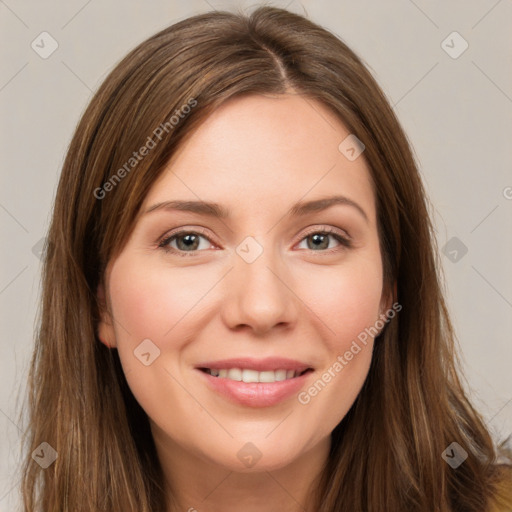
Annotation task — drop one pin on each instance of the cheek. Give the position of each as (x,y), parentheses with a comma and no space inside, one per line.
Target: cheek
(345,299)
(155,302)
(356,303)
(346,302)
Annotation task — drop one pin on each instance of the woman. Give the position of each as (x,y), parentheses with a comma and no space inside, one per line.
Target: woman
(241,305)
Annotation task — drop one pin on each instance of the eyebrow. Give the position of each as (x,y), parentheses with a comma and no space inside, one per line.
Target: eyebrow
(216,210)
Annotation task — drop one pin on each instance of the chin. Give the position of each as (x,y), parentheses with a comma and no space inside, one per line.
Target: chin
(257,454)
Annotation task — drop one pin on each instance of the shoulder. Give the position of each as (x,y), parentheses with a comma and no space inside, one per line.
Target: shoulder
(501,501)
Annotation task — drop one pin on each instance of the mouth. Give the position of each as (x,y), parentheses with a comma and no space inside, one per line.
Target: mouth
(253,388)
(250,375)
(253,382)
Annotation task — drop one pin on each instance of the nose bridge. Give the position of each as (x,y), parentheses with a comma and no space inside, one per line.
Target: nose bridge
(256,293)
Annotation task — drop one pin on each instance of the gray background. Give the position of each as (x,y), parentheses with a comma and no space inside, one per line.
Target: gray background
(457,113)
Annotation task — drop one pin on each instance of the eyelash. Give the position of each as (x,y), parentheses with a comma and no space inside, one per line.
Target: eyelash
(345,242)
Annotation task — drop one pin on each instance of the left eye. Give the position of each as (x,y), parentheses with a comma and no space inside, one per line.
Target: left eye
(320,240)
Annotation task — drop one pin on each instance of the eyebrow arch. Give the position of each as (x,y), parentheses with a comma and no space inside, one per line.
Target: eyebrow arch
(216,210)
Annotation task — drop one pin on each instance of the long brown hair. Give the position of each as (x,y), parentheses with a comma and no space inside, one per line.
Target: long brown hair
(386,452)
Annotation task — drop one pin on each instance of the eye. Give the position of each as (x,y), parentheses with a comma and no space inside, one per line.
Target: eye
(189,242)
(319,240)
(185,243)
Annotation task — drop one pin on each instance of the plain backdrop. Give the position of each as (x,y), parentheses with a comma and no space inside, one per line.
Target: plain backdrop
(455,104)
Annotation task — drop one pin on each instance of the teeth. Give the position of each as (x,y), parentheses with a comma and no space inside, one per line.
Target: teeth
(250,376)
(247,375)
(280,375)
(235,374)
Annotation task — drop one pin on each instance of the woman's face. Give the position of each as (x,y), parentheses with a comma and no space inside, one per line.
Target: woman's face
(277,285)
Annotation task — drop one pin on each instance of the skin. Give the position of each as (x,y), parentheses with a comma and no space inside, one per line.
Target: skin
(257,156)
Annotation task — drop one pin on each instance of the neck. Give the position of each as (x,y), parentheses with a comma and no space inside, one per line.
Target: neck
(197,484)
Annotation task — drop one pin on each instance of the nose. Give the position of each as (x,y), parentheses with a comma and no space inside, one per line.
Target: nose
(259,296)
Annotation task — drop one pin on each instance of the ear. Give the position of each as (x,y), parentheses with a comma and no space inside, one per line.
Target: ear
(387,300)
(106,333)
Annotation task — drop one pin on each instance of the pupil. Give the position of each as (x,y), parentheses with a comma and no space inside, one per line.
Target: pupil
(319,241)
(189,241)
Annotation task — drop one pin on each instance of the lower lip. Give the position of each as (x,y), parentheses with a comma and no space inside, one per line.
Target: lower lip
(256,394)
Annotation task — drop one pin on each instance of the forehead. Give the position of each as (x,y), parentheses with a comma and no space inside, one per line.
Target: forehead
(262,153)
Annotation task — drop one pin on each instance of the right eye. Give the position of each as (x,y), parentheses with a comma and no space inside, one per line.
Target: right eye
(186,243)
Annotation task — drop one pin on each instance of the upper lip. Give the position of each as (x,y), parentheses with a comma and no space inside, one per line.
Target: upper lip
(261,365)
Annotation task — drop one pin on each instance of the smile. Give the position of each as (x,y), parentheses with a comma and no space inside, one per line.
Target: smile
(249,375)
